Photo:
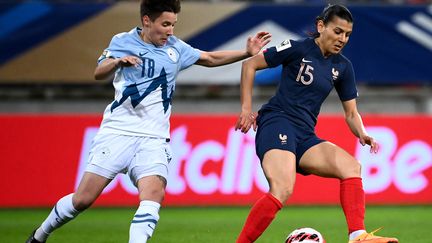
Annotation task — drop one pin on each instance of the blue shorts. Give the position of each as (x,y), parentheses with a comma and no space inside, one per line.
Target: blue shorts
(277,131)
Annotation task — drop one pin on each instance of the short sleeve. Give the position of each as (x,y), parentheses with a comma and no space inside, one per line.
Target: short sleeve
(188,54)
(345,85)
(282,53)
(114,50)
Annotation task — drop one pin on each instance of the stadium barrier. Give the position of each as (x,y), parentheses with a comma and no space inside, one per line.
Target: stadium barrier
(43,157)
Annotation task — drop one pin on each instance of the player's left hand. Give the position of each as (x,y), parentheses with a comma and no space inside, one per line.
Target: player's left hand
(256,43)
(366,139)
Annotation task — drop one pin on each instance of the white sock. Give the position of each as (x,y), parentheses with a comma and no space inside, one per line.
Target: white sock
(62,213)
(144,222)
(356,233)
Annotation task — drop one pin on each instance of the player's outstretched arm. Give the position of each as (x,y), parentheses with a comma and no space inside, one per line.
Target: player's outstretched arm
(108,66)
(355,123)
(219,58)
(247,117)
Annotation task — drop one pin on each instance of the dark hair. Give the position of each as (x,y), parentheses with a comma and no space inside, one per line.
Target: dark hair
(330,12)
(154,8)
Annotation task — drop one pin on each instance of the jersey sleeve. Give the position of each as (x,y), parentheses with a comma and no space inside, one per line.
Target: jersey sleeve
(346,86)
(282,53)
(188,54)
(114,49)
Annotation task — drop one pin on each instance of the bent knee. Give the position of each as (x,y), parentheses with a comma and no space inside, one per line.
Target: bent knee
(81,203)
(282,192)
(156,194)
(353,170)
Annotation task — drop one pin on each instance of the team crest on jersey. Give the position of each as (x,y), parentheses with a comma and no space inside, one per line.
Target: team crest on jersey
(284,45)
(335,74)
(172,54)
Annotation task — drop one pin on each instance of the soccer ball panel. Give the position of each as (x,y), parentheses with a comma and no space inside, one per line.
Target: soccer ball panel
(305,235)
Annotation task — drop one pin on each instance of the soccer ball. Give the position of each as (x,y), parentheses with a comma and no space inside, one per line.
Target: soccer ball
(305,235)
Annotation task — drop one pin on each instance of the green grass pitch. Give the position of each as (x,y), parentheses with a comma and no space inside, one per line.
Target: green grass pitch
(218,224)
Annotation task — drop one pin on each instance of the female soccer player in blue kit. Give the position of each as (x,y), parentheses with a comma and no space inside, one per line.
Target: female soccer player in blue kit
(285,140)
(134,133)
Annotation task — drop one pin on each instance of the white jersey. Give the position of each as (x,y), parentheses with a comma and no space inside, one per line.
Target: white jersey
(142,105)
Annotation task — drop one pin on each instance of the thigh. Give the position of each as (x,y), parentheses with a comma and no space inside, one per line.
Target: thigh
(279,168)
(329,160)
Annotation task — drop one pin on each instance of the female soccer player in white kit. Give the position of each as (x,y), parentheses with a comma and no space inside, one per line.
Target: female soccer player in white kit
(134,133)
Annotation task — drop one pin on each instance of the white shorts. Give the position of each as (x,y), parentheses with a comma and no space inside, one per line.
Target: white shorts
(138,156)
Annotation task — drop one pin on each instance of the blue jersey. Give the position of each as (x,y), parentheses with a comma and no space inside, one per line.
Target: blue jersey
(143,94)
(307,79)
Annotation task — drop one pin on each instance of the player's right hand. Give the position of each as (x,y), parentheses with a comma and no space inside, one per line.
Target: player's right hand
(246,120)
(128,61)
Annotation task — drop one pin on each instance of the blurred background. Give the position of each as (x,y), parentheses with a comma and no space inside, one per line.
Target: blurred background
(51,106)
(50,48)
